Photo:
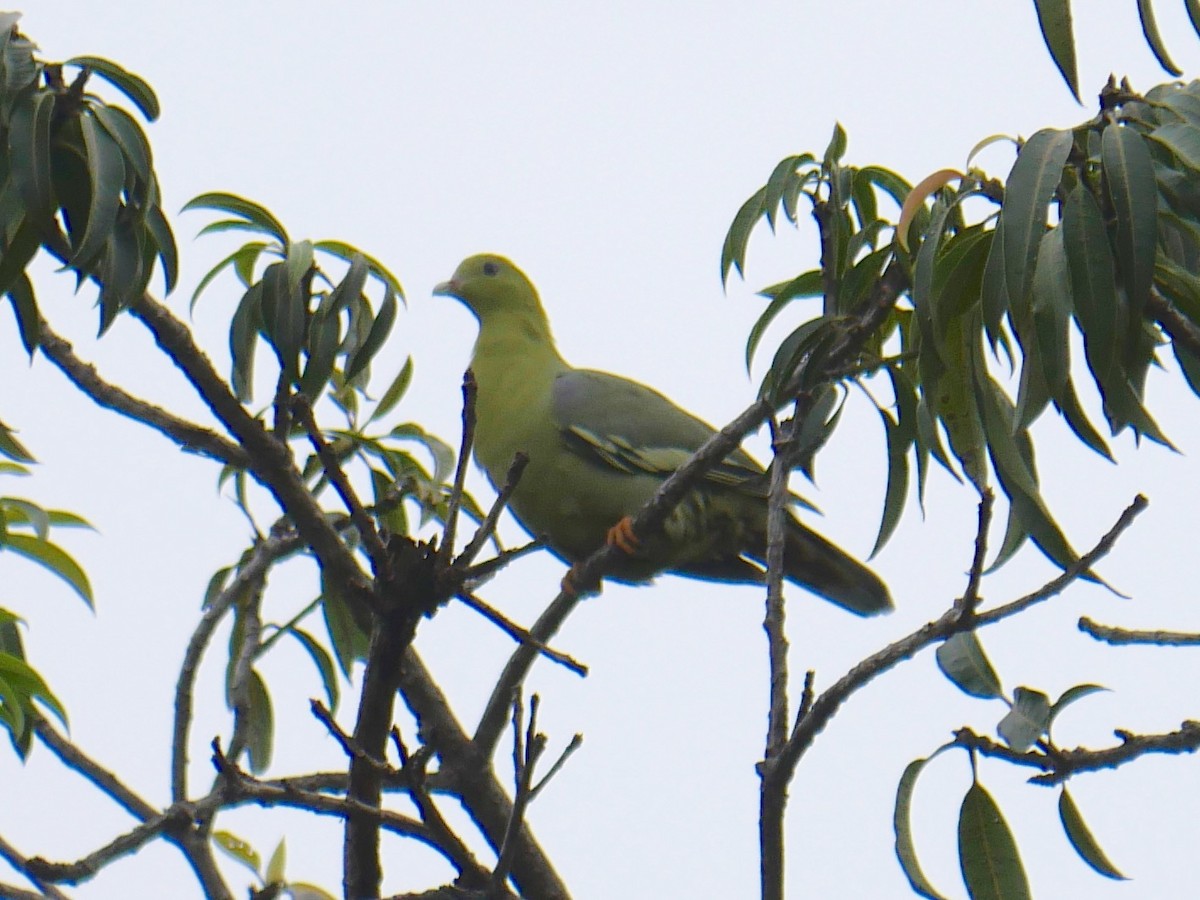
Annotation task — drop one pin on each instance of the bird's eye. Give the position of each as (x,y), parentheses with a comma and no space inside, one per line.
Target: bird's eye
(490,268)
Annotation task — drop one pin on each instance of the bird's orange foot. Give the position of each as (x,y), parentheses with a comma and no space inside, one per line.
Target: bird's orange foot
(621,536)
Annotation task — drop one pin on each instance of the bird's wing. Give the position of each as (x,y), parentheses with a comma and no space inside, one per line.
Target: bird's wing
(620,424)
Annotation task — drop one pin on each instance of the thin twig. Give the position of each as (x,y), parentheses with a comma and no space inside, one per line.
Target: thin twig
(1059,765)
(188,435)
(519,634)
(487,528)
(469,391)
(969,601)
(18,861)
(1112,634)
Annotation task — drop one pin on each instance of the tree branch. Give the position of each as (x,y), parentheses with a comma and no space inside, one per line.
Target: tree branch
(1111,634)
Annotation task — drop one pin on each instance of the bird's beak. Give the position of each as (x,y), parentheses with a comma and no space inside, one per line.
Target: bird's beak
(447,289)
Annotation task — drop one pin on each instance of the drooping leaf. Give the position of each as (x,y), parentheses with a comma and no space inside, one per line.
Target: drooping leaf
(962,660)
(1081,838)
(906,850)
(1154,39)
(1133,191)
(380,329)
(733,253)
(395,391)
(252,212)
(126,82)
(52,558)
(1034,176)
(987,852)
(1054,19)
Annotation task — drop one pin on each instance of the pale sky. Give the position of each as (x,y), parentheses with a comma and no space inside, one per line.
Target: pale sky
(605,148)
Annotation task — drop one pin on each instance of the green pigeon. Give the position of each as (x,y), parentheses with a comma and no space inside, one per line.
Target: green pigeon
(600,445)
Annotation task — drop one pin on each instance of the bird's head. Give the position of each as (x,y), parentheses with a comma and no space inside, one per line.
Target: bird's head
(491,287)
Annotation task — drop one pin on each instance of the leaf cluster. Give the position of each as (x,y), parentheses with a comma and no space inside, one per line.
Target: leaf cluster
(77,180)
(1095,231)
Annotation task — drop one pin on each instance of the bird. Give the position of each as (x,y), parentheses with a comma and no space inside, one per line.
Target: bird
(599,446)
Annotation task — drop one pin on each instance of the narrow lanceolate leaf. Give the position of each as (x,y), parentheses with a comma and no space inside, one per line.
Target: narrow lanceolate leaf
(1069,696)
(926,187)
(106,172)
(52,558)
(733,253)
(323,661)
(1154,39)
(260,728)
(17,255)
(1031,184)
(1052,311)
(993,292)
(395,391)
(962,660)
(1027,719)
(1129,174)
(24,304)
(347,253)
(243,337)
(380,329)
(123,129)
(1016,475)
(901,435)
(906,850)
(1054,18)
(987,852)
(252,212)
(1182,139)
(126,82)
(164,239)
(11,447)
(1093,277)
(238,849)
(29,149)
(26,682)
(1082,840)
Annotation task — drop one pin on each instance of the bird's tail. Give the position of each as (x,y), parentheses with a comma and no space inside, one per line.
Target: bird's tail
(824,568)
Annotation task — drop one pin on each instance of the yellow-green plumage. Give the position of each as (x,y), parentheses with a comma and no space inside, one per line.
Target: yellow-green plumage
(599,446)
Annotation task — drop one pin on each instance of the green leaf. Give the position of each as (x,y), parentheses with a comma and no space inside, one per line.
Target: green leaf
(349,289)
(1133,190)
(1052,311)
(323,661)
(1154,39)
(1017,477)
(236,256)
(238,849)
(1069,696)
(1082,840)
(29,148)
(12,448)
(1054,19)
(733,252)
(962,660)
(805,285)
(987,853)
(380,329)
(126,82)
(1182,139)
(395,391)
(16,257)
(164,239)
(324,338)
(52,558)
(1093,278)
(350,643)
(347,253)
(24,305)
(837,146)
(906,850)
(260,724)
(124,130)
(901,434)
(276,865)
(243,336)
(1072,410)
(29,685)
(1032,182)
(1027,719)
(256,215)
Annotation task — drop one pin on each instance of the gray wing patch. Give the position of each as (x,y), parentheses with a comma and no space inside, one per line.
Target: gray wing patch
(627,426)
